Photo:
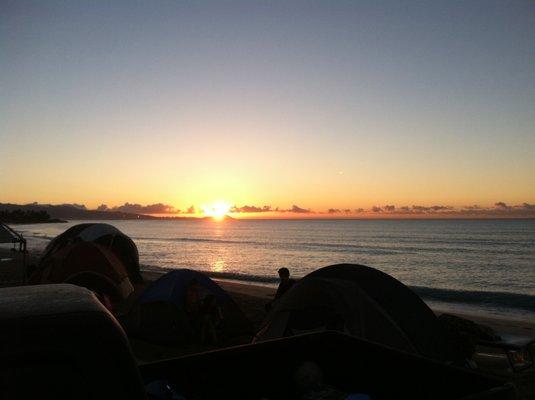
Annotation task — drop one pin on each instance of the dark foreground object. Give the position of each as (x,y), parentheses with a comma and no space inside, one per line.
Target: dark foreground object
(350,365)
(57,341)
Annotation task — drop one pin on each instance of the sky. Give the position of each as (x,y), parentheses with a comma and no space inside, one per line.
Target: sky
(320,105)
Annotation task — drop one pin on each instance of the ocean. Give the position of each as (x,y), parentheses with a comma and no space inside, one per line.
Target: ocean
(477,266)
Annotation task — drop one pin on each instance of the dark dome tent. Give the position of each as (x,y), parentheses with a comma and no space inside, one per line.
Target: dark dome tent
(159,315)
(362,302)
(105,235)
(85,264)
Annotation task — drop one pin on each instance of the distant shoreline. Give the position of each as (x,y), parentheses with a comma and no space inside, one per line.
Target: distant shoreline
(51,221)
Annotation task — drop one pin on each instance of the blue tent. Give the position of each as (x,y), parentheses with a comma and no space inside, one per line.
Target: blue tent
(172,287)
(160,316)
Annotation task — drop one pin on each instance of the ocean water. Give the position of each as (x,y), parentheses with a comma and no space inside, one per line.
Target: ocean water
(482,266)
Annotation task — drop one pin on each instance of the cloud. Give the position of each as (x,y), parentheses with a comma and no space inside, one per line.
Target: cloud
(420,209)
(190,210)
(134,208)
(440,208)
(526,206)
(501,206)
(299,210)
(339,211)
(472,207)
(264,209)
(497,210)
(250,209)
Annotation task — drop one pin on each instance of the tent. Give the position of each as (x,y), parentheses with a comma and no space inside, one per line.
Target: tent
(105,235)
(85,264)
(362,302)
(159,316)
(17,257)
(8,235)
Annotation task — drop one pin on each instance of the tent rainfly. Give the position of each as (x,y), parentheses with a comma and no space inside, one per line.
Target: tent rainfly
(105,235)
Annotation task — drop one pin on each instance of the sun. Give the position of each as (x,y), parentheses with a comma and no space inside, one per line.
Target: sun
(217,210)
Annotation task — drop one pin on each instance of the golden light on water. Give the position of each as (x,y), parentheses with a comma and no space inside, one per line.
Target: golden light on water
(219,266)
(217,210)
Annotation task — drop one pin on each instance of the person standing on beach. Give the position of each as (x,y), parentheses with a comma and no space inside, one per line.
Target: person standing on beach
(285,284)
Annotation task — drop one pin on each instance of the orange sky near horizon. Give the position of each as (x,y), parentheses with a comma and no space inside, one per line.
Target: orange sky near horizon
(318,191)
(344,105)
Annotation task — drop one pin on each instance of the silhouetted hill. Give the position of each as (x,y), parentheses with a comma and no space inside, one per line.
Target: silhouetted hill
(20,216)
(71,211)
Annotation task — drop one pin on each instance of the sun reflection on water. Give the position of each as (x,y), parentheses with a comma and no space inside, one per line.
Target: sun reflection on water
(219,266)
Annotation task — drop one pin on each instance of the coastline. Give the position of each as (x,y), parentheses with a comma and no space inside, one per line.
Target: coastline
(50,221)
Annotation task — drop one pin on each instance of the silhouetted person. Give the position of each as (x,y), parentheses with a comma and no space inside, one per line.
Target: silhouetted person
(284,285)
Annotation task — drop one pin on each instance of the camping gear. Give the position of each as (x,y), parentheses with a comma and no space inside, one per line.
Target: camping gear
(362,302)
(160,314)
(61,343)
(104,235)
(476,338)
(85,264)
(519,352)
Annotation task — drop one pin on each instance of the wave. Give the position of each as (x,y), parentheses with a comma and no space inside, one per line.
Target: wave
(300,245)
(498,299)
(341,247)
(37,235)
(200,240)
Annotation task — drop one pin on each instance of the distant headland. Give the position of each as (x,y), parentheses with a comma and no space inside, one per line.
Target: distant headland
(35,213)
(48,213)
(19,216)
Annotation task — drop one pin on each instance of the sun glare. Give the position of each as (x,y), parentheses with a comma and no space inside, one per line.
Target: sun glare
(216,210)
